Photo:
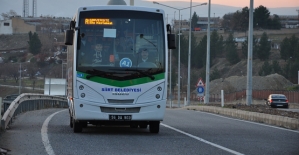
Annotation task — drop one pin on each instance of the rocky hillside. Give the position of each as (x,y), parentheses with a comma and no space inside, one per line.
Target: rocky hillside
(240,69)
(13,42)
(238,83)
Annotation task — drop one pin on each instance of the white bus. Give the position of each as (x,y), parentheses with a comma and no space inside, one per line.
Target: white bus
(108,79)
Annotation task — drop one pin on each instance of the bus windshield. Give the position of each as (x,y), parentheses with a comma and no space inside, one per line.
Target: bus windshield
(120,40)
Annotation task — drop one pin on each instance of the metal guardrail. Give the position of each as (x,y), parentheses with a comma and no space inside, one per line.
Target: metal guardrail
(28,102)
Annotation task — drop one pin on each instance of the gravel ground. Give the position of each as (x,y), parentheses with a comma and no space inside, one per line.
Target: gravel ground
(256,106)
(261,109)
(238,83)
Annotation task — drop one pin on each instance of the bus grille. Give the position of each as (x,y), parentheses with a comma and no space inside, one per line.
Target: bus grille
(120,101)
(120,110)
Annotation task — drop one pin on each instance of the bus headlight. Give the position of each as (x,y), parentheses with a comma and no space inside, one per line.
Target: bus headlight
(153,94)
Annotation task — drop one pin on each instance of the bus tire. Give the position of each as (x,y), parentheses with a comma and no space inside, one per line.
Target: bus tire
(154,127)
(143,125)
(71,122)
(84,124)
(77,126)
(133,125)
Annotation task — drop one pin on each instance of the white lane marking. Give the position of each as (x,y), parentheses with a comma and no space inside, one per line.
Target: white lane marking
(44,134)
(296,131)
(202,140)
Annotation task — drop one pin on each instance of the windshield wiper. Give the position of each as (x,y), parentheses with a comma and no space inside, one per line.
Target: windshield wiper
(142,37)
(95,72)
(145,73)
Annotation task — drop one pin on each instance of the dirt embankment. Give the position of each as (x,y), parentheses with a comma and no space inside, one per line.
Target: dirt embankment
(238,83)
(11,42)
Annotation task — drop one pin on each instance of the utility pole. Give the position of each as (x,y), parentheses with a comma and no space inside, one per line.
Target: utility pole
(132,2)
(207,91)
(249,59)
(167,19)
(20,70)
(298,16)
(189,57)
(174,22)
(170,53)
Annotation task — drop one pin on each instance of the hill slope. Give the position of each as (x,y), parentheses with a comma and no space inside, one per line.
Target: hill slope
(238,83)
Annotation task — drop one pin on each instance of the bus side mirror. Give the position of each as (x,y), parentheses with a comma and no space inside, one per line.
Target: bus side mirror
(168,28)
(68,37)
(72,24)
(171,41)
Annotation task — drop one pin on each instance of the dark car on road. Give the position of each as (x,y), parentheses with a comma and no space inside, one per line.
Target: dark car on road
(277,100)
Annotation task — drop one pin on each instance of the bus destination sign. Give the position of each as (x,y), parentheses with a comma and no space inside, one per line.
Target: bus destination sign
(97,21)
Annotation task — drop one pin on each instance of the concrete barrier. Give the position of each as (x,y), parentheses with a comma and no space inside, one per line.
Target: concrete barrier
(27,102)
(0,110)
(280,121)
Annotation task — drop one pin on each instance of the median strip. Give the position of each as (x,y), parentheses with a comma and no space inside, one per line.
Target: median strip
(280,121)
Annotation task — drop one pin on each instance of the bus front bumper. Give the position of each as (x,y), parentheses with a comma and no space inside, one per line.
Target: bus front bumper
(85,111)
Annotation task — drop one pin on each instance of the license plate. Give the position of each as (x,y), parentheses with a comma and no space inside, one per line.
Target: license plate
(120,117)
(279,105)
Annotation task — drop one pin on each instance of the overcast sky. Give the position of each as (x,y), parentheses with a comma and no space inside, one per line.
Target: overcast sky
(242,3)
(67,8)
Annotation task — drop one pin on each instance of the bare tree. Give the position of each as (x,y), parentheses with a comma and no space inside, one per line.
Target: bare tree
(56,71)
(13,71)
(3,71)
(45,71)
(9,14)
(31,70)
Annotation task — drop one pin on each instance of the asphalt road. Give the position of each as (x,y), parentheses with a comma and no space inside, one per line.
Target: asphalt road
(181,132)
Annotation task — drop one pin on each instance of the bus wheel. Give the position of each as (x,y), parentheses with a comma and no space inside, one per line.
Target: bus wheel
(154,126)
(133,125)
(143,125)
(71,122)
(77,126)
(84,124)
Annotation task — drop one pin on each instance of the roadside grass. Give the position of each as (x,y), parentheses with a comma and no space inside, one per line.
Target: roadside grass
(293,88)
(4,91)
(38,83)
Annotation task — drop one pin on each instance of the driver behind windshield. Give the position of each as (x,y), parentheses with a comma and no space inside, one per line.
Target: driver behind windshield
(97,55)
(144,57)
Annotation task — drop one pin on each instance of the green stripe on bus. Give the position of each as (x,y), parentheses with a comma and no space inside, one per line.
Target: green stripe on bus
(125,83)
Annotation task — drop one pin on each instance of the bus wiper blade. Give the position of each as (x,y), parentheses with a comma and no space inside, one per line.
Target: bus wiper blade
(95,72)
(146,74)
(143,72)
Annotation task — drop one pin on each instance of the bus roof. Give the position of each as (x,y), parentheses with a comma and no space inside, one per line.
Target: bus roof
(120,7)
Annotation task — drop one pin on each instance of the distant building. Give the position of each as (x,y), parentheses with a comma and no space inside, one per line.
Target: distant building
(288,21)
(1,60)
(15,25)
(19,25)
(184,25)
(202,24)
